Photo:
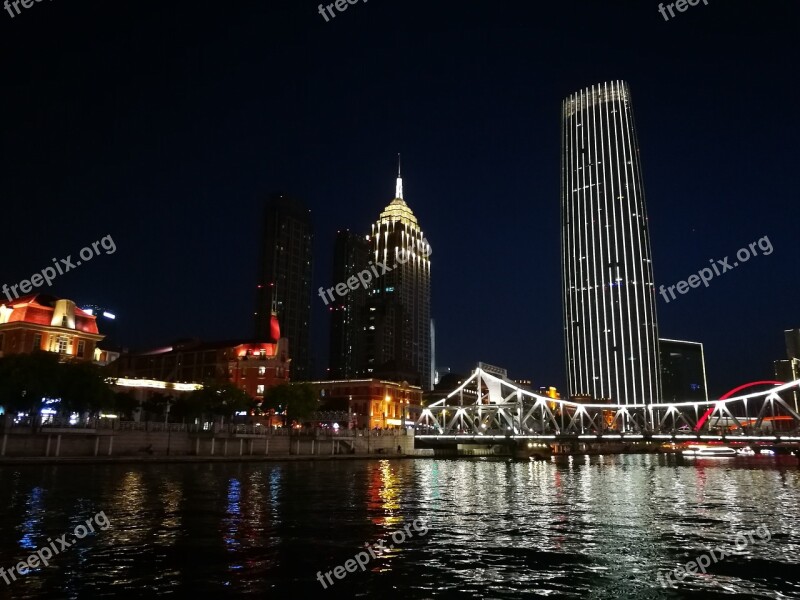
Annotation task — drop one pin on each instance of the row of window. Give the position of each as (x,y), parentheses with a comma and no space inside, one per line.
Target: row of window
(60,344)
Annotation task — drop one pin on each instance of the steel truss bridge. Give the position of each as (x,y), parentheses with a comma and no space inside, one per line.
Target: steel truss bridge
(487,409)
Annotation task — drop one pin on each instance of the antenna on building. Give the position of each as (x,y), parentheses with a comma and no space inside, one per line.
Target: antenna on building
(399,190)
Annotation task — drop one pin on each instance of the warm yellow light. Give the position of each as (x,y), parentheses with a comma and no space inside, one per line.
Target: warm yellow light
(154,384)
(388,398)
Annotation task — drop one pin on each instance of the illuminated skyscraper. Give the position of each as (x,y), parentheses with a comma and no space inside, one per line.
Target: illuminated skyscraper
(397,322)
(610,327)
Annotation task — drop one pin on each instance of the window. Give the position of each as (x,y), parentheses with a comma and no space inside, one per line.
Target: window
(81,348)
(262,370)
(37,341)
(260,389)
(62,344)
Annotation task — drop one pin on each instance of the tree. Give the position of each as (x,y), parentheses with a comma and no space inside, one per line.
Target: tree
(82,388)
(25,379)
(220,399)
(298,400)
(124,403)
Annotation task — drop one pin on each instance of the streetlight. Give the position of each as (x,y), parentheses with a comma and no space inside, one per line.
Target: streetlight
(350,412)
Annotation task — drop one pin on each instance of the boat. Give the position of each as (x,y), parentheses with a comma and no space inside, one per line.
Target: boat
(709,451)
(533,451)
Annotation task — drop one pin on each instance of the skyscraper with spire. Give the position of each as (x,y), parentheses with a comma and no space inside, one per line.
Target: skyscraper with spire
(397,314)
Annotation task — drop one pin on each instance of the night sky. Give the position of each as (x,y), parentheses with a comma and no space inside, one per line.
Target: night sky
(166,124)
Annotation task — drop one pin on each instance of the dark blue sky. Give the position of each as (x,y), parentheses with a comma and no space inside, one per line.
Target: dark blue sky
(164,125)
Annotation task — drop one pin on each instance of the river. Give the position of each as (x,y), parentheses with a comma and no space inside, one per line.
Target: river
(581,527)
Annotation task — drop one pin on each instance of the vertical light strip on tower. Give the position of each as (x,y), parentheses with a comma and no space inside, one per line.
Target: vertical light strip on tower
(610,325)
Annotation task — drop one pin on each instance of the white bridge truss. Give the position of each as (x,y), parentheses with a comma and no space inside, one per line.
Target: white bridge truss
(486,408)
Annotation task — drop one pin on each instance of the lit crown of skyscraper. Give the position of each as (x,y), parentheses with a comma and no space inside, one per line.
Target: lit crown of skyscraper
(398,210)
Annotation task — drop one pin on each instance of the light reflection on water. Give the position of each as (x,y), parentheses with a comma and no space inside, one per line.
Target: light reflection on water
(599,527)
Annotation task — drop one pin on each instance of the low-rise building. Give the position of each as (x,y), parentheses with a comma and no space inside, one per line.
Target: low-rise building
(371,403)
(50,324)
(251,365)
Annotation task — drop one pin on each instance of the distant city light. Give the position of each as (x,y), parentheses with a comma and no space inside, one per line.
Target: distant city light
(109,315)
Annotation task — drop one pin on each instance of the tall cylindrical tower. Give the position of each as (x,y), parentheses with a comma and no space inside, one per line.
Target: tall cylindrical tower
(610,326)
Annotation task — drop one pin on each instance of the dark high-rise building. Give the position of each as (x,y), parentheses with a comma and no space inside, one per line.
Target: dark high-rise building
(792,337)
(683,371)
(610,329)
(347,359)
(284,283)
(789,369)
(397,327)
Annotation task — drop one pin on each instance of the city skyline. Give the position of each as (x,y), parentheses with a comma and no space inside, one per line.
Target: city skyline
(176,177)
(611,320)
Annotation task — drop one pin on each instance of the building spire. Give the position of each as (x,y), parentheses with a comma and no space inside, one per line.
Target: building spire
(399,191)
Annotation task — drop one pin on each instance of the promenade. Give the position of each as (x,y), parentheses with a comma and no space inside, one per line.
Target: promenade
(110,440)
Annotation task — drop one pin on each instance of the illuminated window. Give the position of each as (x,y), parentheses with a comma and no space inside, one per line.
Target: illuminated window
(262,370)
(260,389)
(62,344)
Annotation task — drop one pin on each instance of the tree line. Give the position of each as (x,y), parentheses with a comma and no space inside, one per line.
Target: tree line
(30,382)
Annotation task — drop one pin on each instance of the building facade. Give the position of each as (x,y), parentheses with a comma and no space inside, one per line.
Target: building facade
(398,336)
(41,322)
(370,403)
(683,371)
(284,283)
(252,366)
(608,294)
(347,358)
